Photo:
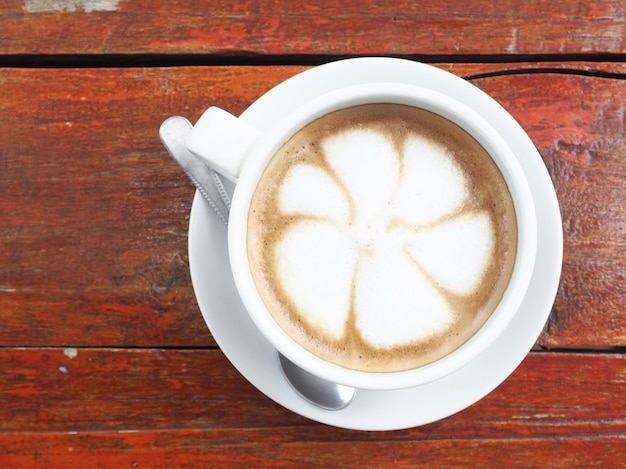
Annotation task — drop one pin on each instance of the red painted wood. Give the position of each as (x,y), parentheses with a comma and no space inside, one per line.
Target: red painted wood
(95,212)
(266,448)
(266,27)
(191,406)
(578,125)
(151,389)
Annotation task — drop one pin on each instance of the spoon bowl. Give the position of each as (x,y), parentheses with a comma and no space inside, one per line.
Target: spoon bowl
(324,394)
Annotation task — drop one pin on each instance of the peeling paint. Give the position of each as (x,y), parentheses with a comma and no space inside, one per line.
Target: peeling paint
(70,352)
(88,6)
(513,46)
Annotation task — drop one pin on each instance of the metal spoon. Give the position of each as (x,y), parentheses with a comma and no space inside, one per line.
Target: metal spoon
(322,393)
(173,133)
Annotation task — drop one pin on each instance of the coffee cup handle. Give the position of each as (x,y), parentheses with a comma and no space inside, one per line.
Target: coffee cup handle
(223,140)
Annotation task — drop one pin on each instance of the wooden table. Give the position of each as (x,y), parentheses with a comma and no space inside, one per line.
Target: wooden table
(105,360)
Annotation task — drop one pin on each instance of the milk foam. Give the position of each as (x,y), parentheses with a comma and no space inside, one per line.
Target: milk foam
(456,253)
(433,184)
(376,244)
(364,213)
(368,168)
(315,265)
(307,190)
(395,302)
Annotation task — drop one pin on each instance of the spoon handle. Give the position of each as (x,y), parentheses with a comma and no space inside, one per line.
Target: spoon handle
(173,133)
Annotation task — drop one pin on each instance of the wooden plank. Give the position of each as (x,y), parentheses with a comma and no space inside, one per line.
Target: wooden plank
(320,28)
(94,213)
(81,390)
(578,124)
(280,448)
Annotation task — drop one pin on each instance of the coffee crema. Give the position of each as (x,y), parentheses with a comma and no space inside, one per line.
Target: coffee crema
(381,237)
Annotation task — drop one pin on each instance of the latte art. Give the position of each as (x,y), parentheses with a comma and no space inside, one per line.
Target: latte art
(381,237)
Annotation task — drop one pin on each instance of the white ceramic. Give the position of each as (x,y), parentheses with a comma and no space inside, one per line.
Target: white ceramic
(256,359)
(242,152)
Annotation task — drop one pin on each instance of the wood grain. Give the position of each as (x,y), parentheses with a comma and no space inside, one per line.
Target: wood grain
(268,448)
(578,124)
(95,213)
(165,408)
(320,28)
(156,389)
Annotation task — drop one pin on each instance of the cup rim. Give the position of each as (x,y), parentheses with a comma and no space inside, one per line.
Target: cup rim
(383,92)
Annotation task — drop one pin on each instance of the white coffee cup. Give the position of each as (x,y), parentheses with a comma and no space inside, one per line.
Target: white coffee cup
(241,153)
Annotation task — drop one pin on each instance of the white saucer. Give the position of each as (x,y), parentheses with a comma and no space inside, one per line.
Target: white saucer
(256,360)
